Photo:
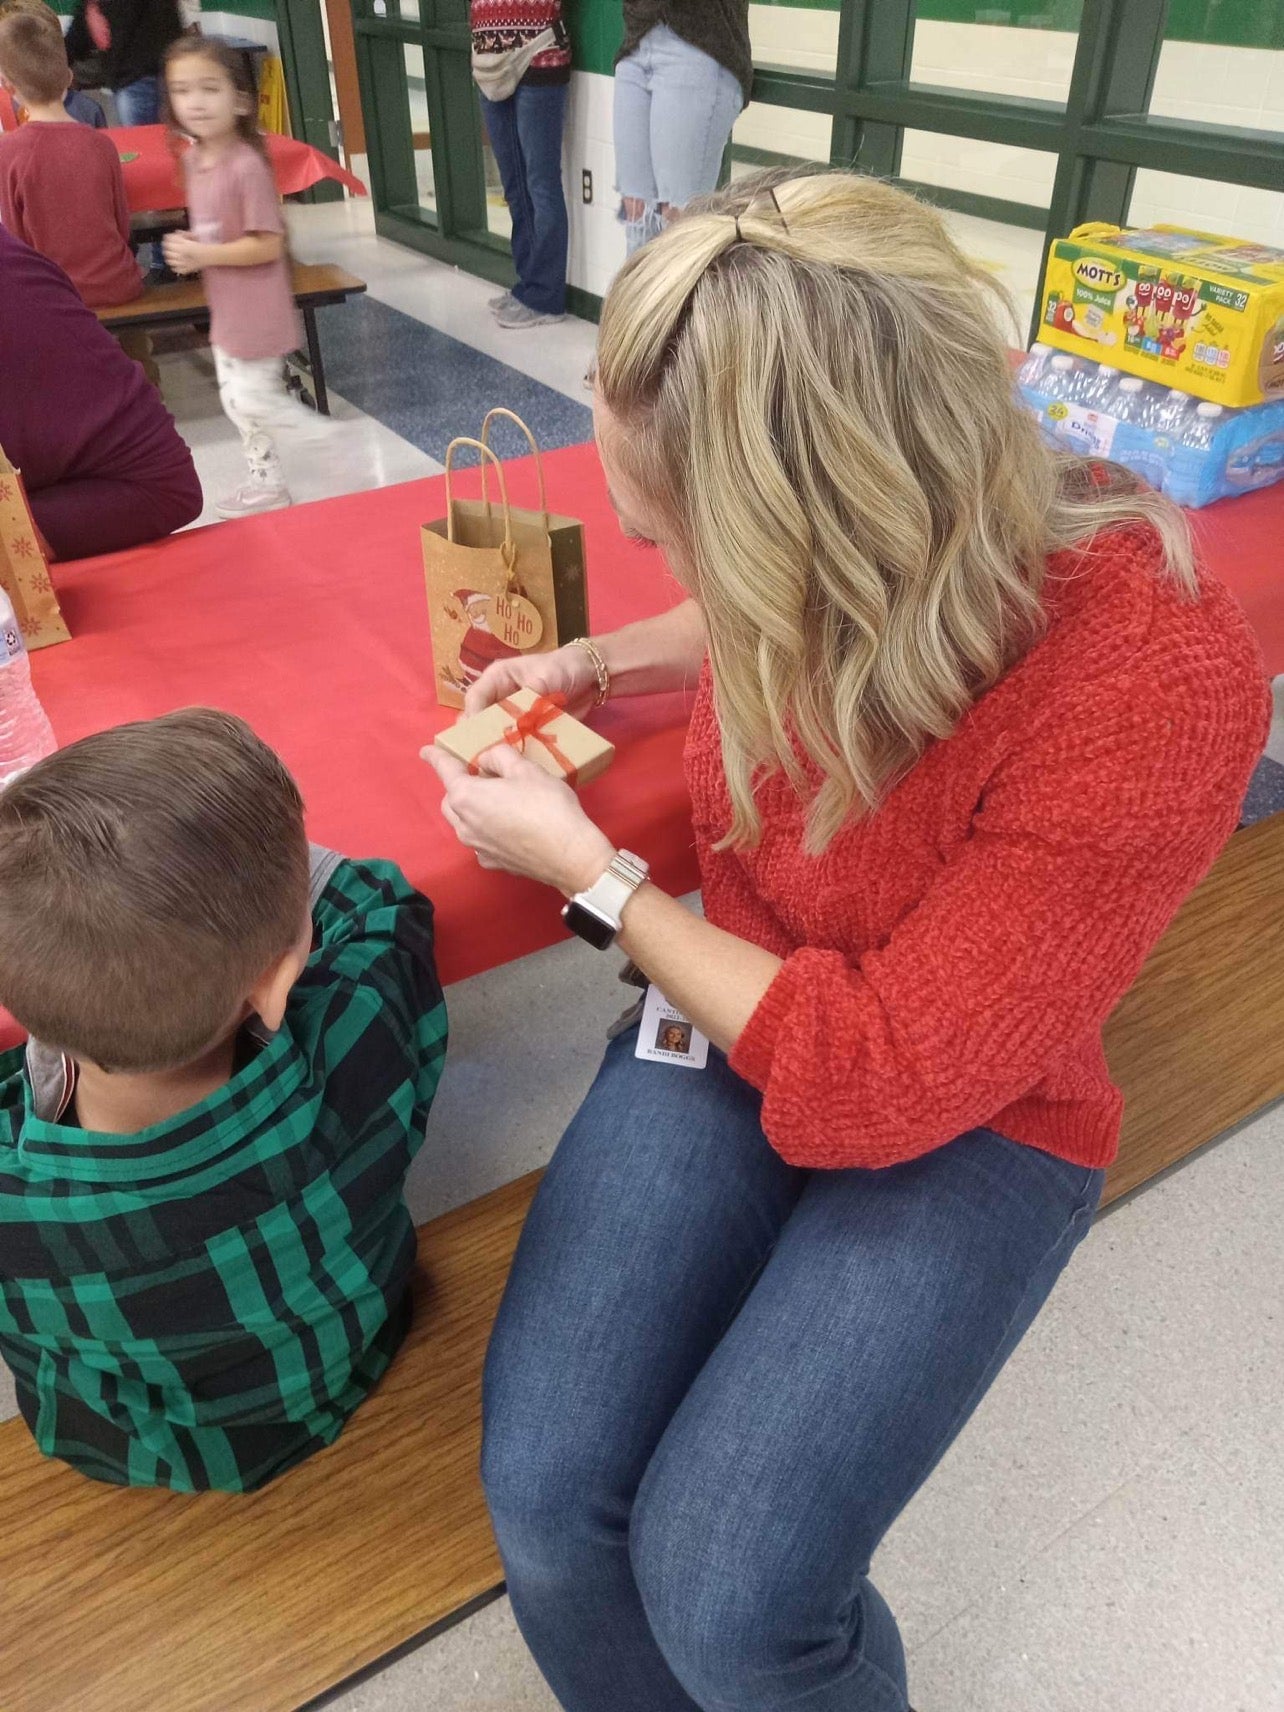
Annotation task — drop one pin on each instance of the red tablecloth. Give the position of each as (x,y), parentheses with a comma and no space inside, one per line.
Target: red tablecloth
(1243,541)
(312,623)
(153,180)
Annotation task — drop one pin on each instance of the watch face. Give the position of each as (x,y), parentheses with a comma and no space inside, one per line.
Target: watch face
(598,930)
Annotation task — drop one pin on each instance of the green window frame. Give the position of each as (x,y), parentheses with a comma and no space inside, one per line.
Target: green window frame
(1101,135)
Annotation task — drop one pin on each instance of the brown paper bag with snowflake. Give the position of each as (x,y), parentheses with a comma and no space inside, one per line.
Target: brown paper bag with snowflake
(24,575)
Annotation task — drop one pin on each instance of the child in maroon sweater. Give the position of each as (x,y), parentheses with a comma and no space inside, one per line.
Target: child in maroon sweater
(103,463)
(61,189)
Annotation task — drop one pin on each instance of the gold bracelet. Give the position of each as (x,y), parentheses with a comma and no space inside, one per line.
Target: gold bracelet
(599,666)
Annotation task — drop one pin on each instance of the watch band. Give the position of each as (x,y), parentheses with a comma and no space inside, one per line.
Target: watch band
(595,914)
(608,896)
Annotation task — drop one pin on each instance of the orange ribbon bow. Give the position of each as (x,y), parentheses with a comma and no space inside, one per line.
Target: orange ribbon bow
(532,722)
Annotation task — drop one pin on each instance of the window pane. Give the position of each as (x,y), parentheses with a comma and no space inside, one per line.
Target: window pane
(1222,65)
(498,219)
(984,169)
(1025,51)
(1012,254)
(797,37)
(778,136)
(420,130)
(1207,205)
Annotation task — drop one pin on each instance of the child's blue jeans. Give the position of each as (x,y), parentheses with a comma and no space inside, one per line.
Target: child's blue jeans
(716,1379)
(526,134)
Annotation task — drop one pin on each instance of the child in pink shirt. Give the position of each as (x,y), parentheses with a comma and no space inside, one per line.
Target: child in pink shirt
(237,242)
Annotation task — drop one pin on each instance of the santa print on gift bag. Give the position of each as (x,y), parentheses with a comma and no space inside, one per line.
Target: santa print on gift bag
(500,581)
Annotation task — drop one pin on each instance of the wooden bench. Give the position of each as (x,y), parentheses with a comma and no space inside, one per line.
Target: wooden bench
(114,1600)
(316,284)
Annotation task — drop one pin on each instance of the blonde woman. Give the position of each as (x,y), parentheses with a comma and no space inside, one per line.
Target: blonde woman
(968,728)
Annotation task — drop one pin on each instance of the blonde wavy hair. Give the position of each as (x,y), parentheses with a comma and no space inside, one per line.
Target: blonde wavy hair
(813,391)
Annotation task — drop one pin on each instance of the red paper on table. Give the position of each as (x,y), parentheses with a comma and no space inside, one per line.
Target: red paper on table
(311,624)
(154,178)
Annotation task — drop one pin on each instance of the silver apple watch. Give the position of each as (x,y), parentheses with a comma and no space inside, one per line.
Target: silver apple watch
(595,914)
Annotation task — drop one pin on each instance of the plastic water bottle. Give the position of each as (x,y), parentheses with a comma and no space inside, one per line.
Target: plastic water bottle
(25,733)
(1064,379)
(1033,368)
(1099,392)
(1194,473)
(1168,412)
(1134,442)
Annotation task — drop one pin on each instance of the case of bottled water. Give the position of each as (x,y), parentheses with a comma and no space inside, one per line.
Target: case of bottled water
(1195,452)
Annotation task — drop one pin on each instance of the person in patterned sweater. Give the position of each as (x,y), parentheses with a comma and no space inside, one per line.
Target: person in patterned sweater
(522,65)
(207,1251)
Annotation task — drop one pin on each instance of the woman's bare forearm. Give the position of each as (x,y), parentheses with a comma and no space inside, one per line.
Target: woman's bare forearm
(656,654)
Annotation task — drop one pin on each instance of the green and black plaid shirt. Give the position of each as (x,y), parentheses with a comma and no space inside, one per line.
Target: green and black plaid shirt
(205,1303)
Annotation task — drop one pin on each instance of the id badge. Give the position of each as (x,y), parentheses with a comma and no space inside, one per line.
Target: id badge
(667,1037)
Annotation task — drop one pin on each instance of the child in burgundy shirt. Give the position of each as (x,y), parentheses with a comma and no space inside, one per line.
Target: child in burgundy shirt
(61,189)
(102,461)
(236,241)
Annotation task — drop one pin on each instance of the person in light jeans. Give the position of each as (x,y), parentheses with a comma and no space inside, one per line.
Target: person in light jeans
(680,84)
(968,726)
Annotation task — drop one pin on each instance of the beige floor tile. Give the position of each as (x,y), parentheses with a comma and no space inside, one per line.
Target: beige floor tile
(1167,1598)
(481,1665)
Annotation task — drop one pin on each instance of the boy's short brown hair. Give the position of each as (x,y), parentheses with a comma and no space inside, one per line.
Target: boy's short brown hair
(34,9)
(33,56)
(149,876)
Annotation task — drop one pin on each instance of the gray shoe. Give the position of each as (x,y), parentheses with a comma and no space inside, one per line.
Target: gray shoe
(495,304)
(252,498)
(517,316)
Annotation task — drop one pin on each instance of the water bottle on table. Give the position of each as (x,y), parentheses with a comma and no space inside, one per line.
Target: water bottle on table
(1195,467)
(25,733)
(1135,404)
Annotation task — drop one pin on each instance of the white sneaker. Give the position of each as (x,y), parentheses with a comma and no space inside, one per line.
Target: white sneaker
(252,498)
(517,316)
(495,304)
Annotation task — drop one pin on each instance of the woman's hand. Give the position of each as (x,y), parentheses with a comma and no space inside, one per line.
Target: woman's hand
(519,818)
(566,671)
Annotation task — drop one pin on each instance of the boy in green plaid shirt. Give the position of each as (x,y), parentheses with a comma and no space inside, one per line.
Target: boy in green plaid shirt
(205,1253)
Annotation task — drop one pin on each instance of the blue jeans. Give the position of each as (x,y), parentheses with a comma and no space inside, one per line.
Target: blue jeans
(138,103)
(716,1379)
(526,134)
(674,109)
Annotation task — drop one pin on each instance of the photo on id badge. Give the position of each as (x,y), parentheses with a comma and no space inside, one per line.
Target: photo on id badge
(667,1037)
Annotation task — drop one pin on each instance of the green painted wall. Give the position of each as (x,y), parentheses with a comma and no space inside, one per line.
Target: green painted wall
(597,29)
(597,26)
(1228,23)
(241,8)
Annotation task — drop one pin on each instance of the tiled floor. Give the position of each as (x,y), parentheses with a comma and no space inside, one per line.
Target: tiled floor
(1106,1534)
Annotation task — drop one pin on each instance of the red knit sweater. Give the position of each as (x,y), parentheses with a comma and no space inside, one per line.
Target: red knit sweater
(950,960)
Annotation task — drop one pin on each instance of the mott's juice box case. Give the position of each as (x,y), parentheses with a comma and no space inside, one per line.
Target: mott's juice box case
(1188,309)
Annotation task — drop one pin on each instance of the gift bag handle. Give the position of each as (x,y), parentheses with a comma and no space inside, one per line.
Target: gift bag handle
(509,550)
(539,460)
